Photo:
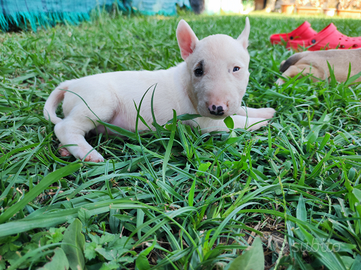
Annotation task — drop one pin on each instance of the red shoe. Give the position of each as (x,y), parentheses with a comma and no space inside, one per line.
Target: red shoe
(304,31)
(328,38)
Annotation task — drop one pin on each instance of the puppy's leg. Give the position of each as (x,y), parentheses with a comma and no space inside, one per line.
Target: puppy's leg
(266,113)
(78,122)
(250,123)
(82,112)
(208,124)
(70,133)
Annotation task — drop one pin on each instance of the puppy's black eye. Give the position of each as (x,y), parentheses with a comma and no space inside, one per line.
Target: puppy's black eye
(235,69)
(198,72)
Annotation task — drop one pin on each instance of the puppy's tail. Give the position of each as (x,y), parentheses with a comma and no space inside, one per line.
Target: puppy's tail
(53,101)
(291,61)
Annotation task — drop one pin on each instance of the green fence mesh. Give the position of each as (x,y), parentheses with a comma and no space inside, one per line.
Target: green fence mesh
(48,12)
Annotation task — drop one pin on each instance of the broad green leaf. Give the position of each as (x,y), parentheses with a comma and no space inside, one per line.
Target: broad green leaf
(229,122)
(203,167)
(58,262)
(324,141)
(109,266)
(140,221)
(111,254)
(89,251)
(142,263)
(357,193)
(301,212)
(74,244)
(251,259)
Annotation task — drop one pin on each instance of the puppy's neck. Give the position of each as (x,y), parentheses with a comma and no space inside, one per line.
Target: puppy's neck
(183,79)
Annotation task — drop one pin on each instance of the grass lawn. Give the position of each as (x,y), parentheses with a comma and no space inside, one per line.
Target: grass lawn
(176,198)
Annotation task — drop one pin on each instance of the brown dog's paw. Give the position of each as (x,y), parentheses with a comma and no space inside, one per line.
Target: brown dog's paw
(280,81)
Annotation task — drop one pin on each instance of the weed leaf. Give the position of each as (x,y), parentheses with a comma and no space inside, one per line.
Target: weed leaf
(251,259)
(58,262)
(74,244)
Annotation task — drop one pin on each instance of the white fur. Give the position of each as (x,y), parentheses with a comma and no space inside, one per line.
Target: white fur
(111,96)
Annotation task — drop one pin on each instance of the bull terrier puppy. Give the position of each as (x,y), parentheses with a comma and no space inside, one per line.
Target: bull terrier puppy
(315,63)
(211,82)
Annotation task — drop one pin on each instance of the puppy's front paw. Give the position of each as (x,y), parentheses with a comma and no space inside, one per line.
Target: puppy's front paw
(94,156)
(258,125)
(266,113)
(89,155)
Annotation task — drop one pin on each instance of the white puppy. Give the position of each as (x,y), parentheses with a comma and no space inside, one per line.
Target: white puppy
(211,82)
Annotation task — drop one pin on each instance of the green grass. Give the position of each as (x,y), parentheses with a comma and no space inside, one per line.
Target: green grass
(176,198)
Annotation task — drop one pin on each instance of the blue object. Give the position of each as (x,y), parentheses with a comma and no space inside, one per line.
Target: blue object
(152,7)
(49,12)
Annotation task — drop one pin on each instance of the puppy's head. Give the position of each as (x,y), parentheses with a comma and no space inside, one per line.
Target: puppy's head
(218,68)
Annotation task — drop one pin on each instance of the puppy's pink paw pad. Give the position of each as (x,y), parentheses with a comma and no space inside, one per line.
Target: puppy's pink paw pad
(64,152)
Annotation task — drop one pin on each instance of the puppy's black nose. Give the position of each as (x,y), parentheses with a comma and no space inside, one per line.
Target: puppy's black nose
(216,110)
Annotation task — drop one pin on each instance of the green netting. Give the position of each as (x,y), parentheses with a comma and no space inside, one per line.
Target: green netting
(165,7)
(48,12)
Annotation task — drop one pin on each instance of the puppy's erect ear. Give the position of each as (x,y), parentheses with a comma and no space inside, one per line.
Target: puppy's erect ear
(243,37)
(187,40)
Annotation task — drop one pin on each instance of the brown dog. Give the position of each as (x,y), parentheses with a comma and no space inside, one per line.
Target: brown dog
(315,63)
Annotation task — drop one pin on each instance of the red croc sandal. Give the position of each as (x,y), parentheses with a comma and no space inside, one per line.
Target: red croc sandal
(328,38)
(304,31)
